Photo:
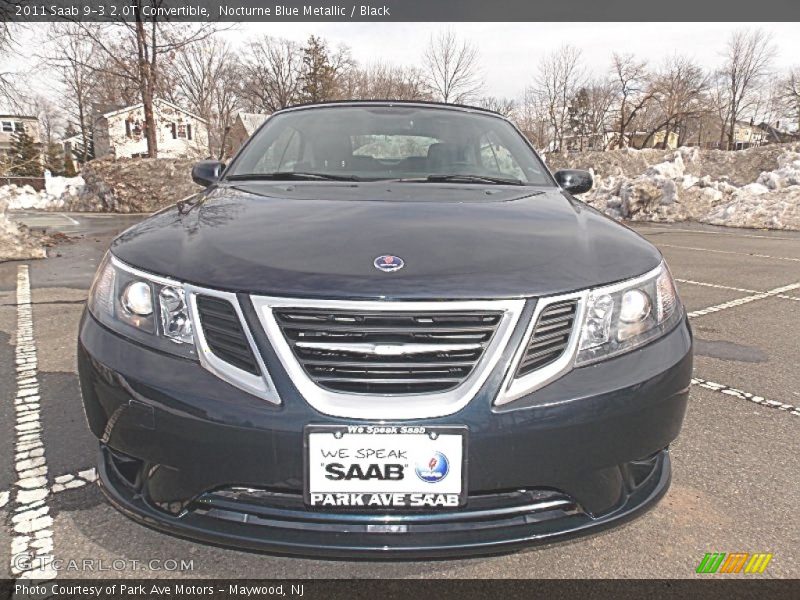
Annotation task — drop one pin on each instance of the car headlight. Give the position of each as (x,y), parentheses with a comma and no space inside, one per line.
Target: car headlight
(626,315)
(149,309)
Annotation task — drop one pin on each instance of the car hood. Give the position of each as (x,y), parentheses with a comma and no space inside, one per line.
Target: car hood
(320,240)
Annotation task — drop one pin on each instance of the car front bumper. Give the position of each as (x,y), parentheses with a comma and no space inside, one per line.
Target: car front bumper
(187,453)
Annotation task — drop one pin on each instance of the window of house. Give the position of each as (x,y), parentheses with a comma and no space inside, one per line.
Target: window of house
(19,126)
(182,130)
(8,126)
(133,128)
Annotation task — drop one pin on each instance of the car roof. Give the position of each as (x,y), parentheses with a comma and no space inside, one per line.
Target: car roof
(412,103)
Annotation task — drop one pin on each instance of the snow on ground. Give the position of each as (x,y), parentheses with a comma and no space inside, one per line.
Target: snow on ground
(55,195)
(676,189)
(58,186)
(15,241)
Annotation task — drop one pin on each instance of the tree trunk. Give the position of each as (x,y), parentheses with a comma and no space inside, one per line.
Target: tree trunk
(146,87)
(732,130)
(84,137)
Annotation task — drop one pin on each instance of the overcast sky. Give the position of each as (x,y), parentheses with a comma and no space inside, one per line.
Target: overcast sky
(509,52)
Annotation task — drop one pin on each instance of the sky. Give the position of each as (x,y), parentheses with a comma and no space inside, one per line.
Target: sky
(509,52)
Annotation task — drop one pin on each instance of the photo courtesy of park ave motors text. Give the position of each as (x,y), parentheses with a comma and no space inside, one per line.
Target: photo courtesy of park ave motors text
(507,296)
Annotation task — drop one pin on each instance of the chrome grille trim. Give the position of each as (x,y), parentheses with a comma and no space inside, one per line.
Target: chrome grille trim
(346,351)
(396,405)
(515,386)
(550,336)
(259,385)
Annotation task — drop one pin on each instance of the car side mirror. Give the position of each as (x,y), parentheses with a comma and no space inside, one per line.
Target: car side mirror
(574,181)
(207,172)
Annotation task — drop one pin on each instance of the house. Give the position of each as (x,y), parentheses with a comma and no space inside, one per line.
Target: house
(642,139)
(748,135)
(12,123)
(180,134)
(73,145)
(776,135)
(243,127)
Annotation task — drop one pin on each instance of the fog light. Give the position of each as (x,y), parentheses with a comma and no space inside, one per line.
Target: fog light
(635,306)
(137,299)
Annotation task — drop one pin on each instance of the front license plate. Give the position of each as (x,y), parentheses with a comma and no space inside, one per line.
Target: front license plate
(374,466)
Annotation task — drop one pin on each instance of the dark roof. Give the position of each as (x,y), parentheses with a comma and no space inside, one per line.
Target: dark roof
(776,135)
(17,117)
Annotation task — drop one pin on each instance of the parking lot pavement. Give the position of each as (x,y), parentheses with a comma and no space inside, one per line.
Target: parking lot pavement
(735,484)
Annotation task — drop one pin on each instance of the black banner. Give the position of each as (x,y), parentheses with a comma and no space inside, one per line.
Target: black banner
(403,10)
(390,589)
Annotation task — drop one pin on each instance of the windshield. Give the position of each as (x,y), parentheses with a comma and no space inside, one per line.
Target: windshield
(399,143)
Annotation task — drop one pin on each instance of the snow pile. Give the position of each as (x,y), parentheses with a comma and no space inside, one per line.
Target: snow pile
(58,191)
(131,185)
(59,186)
(15,241)
(689,184)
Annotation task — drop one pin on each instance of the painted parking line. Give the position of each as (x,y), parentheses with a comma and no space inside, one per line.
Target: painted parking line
(62,483)
(716,286)
(742,395)
(32,538)
(752,254)
(70,219)
(74,481)
(647,230)
(745,300)
(735,289)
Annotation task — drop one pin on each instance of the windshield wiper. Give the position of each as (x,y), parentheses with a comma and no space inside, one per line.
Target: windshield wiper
(466,178)
(292,175)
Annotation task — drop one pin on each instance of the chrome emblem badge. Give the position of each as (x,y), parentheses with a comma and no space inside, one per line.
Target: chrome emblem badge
(389,263)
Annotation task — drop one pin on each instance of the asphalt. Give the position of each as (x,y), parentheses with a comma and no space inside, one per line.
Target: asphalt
(735,484)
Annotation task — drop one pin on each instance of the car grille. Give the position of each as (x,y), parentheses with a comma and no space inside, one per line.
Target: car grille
(387,352)
(224,334)
(550,336)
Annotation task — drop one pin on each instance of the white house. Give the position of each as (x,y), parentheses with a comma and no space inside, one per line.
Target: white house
(180,134)
(10,124)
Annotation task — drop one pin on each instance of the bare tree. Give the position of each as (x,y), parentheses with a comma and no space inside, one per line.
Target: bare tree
(132,51)
(633,93)
(227,102)
(271,70)
(504,106)
(792,93)
(201,76)
(73,62)
(559,77)
(532,119)
(384,81)
(678,91)
(770,104)
(588,114)
(51,118)
(452,68)
(748,56)
(9,84)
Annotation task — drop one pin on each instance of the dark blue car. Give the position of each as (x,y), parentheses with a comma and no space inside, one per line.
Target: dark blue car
(384,329)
